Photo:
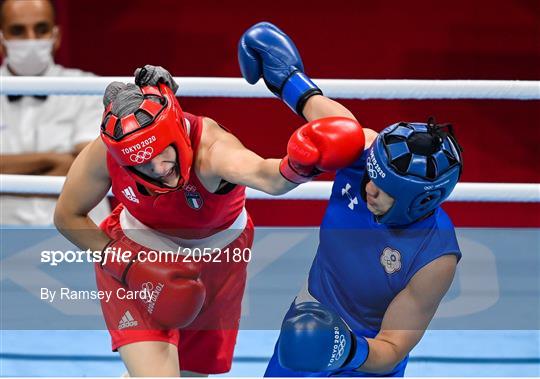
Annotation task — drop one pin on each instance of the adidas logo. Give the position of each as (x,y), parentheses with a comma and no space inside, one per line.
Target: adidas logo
(127,321)
(130,194)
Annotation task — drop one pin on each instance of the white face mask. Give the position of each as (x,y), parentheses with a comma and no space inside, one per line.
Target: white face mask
(29,57)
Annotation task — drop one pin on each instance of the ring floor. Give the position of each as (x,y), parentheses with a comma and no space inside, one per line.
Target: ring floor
(440,353)
(497,288)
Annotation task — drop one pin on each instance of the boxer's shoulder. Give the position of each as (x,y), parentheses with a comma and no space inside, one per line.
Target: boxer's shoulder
(95,156)
(211,129)
(211,132)
(212,135)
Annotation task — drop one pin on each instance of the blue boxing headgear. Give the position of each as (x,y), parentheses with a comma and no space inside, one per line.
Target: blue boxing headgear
(418,164)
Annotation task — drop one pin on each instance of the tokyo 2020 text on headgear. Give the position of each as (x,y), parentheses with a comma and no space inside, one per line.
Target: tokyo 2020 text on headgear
(418,164)
(132,143)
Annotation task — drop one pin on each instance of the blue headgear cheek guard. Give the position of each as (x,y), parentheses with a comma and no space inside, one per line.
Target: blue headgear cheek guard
(417,190)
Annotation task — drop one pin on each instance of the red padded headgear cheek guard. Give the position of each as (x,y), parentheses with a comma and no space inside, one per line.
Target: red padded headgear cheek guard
(181,140)
(137,144)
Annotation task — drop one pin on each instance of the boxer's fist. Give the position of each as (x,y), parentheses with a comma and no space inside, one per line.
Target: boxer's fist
(152,75)
(174,294)
(327,144)
(265,51)
(315,339)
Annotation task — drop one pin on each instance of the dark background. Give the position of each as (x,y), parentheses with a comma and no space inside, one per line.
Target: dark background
(460,39)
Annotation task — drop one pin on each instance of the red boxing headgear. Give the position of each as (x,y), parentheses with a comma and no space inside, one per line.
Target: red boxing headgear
(136,144)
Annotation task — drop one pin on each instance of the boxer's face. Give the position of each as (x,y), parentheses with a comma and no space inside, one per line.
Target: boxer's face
(162,167)
(378,201)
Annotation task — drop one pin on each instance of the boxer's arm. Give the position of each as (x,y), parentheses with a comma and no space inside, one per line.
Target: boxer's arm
(228,159)
(266,51)
(87,183)
(320,106)
(409,315)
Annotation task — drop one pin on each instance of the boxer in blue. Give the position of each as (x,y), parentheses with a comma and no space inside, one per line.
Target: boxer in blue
(387,252)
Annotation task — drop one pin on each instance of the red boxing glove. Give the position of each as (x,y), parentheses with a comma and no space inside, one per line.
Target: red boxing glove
(173,292)
(327,144)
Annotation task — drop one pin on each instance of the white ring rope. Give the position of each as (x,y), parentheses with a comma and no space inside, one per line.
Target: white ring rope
(335,88)
(478,192)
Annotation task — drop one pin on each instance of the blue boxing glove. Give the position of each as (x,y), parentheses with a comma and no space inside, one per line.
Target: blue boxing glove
(315,339)
(265,51)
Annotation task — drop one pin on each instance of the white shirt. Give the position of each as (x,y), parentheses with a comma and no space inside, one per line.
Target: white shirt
(56,124)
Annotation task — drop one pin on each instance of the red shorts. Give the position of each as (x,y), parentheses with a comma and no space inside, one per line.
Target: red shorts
(205,346)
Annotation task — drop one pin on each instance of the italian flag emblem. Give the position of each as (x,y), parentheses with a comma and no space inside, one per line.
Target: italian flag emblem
(194,200)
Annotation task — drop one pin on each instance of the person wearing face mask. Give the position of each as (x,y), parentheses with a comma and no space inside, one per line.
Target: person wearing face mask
(39,135)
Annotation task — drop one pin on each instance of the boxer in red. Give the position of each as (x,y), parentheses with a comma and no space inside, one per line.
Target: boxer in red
(180,180)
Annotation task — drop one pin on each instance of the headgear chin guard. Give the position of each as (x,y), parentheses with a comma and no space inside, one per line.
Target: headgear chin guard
(418,165)
(132,143)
